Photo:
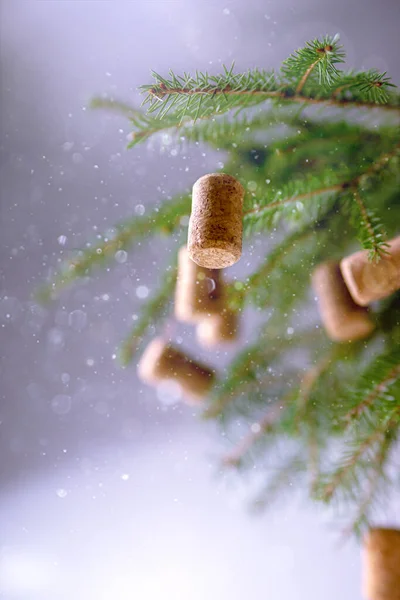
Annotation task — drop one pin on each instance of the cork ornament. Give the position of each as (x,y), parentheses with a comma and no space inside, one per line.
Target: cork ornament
(161,361)
(343,319)
(218,329)
(216,221)
(369,281)
(198,292)
(381,561)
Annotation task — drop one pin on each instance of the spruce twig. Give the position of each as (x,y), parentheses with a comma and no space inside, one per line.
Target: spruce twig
(318,176)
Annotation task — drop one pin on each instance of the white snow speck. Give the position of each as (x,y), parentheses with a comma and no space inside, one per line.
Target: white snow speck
(121,256)
(142,291)
(140,209)
(62,240)
(61,404)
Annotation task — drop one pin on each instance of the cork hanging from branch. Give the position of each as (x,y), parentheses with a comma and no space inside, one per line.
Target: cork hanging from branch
(343,319)
(381,558)
(369,281)
(216,222)
(218,329)
(199,291)
(161,361)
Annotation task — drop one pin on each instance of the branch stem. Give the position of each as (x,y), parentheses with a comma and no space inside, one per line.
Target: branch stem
(281,95)
(306,76)
(382,386)
(339,187)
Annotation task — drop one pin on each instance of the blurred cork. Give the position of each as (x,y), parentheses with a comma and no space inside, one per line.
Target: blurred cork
(342,318)
(381,558)
(216,222)
(218,329)
(161,361)
(199,291)
(369,281)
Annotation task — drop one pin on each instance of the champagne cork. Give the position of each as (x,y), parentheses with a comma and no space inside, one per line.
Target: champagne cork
(216,222)
(161,361)
(381,558)
(198,290)
(343,319)
(368,281)
(218,329)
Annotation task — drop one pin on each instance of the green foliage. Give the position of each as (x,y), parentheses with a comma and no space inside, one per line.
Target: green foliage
(318,57)
(154,311)
(163,219)
(318,181)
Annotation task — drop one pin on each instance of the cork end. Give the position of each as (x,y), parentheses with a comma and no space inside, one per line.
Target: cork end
(382,564)
(348,269)
(148,367)
(218,329)
(215,256)
(219,179)
(358,327)
(370,281)
(343,319)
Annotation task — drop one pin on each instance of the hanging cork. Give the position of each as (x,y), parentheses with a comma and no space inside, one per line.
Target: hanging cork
(343,320)
(216,222)
(218,329)
(368,281)
(161,361)
(199,291)
(382,564)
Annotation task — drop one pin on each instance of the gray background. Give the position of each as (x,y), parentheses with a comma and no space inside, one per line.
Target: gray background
(108,491)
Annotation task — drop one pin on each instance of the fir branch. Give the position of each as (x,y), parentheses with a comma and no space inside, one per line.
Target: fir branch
(371,84)
(153,312)
(283,478)
(274,259)
(375,384)
(252,369)
(370,230)
(111,104)
(371,234)
(377,477)
(164,219)
(322,191)
(205,96)
(310,379)
(265,425)
(352,462)
(321,54)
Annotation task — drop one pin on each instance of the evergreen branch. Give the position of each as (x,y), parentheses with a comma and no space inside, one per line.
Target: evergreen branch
(275,258)
(382,374)
(370,84)
(118,106)
(371,232)
(352,462)
(323,54)
(252,368)
(233,98)
(265,425)
(284,476)
(376,478)
(164,219)
(306,76)
(310,379)
(153,312)
(331,189)
(218,94)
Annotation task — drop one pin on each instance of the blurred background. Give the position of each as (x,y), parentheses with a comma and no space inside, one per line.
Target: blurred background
(109,490)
